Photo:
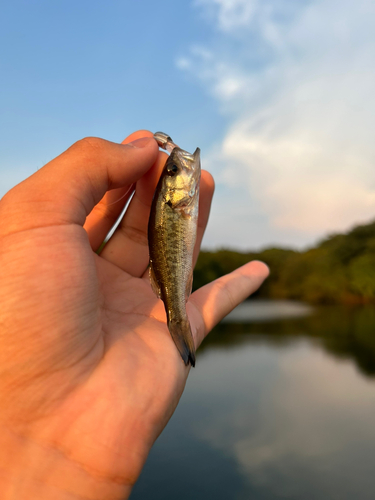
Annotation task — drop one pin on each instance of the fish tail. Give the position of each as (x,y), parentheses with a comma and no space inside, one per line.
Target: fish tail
(181,334)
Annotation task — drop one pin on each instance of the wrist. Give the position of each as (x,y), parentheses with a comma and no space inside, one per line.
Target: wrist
(29,469)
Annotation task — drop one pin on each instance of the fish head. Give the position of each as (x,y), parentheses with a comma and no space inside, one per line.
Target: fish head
(181,177)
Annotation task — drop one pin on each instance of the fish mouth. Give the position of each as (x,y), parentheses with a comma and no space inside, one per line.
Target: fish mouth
(165,141)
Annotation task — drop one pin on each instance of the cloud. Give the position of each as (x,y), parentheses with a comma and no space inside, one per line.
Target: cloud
(296,81)
(229,13)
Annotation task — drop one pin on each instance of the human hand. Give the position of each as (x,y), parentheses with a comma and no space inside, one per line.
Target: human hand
(89,375)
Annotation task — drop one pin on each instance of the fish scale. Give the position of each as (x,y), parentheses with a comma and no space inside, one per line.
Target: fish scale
(172,234)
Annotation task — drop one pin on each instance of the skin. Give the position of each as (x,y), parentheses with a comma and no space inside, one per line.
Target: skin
(89,375)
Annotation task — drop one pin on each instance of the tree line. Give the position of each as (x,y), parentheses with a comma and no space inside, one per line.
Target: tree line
(340,269)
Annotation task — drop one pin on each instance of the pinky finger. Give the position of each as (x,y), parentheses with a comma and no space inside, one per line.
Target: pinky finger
(211,303)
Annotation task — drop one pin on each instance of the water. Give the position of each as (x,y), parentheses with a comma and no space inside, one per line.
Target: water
(281,405)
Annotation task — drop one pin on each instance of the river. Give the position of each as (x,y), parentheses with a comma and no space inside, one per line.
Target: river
(281,405)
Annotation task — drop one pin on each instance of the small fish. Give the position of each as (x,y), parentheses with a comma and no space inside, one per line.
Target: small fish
(172,231)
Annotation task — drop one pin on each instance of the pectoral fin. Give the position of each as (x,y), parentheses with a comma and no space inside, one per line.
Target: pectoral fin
(154,284)
(189,287)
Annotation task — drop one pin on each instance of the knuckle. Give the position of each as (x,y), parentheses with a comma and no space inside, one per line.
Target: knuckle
(225,288)
(105,213)
(134,234)
(11,197)
(7,198)
(90,146)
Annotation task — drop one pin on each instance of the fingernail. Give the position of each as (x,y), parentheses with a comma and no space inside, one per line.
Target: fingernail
(140,143)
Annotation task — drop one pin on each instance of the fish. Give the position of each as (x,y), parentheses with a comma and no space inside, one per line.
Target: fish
(172,231)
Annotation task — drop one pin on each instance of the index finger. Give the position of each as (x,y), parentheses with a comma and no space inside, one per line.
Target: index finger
(65,190)
(104,215)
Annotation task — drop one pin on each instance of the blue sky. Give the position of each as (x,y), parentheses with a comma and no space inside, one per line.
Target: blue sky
(279,95)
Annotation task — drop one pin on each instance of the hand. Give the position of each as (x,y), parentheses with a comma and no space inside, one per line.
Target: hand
(89,375)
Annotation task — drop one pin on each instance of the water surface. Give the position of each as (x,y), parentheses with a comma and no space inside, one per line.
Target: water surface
(281,405)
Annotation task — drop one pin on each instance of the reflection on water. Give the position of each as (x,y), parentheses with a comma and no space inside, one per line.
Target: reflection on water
(265,310)
(282,409)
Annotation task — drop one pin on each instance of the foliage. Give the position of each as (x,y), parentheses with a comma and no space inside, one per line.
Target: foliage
(341,269)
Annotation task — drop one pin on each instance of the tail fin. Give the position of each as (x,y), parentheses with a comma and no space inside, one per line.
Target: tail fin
(183,338)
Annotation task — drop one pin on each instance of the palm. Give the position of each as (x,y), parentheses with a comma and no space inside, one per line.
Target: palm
(111,371)
(125,347)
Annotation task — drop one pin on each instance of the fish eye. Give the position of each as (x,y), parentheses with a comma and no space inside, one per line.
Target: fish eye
(173,170)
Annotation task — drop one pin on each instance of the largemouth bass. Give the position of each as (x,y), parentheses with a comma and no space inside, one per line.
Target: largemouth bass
(172,233)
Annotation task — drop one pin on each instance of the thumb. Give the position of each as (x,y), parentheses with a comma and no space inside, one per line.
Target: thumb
(65,190)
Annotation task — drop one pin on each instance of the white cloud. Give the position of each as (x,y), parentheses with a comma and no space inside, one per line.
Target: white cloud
(230,13)
(234,15)
(297,86)
(183,63)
